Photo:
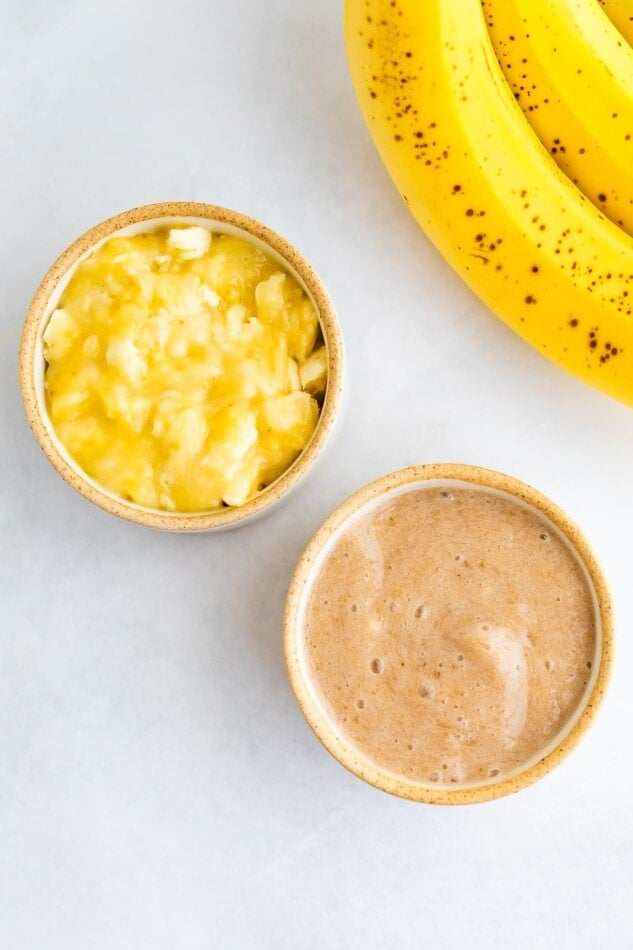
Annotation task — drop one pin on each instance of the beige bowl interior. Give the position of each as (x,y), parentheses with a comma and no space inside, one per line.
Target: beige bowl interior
(429,476)
(32,364)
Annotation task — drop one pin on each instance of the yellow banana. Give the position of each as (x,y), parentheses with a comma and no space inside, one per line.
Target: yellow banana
(620,12)
(572,74)
(485,190)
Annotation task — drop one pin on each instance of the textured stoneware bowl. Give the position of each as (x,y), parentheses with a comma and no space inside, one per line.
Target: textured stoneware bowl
(32,366)
(442,475)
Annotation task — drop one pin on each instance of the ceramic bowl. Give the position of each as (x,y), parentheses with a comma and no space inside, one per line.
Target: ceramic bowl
(32,364)
(450,476)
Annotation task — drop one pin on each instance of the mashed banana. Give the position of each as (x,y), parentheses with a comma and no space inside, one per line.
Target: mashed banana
(185,369)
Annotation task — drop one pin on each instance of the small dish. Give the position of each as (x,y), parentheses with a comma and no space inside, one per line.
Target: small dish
(444,476)
(32,363)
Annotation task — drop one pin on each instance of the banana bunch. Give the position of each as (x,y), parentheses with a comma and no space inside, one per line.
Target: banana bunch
(572,74)
(487,191)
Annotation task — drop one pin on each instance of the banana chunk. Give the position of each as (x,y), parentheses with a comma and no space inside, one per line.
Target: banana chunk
(189,242)
(313,372)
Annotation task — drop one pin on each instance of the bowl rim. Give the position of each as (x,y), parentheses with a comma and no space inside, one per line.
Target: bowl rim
(37,315)
(317,720)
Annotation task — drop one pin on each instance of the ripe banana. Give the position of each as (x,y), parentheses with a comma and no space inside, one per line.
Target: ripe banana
(620,12)
(487,193)
(572,74)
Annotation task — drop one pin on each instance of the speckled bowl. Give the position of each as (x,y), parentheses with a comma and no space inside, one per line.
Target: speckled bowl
(32,365)
(444,475)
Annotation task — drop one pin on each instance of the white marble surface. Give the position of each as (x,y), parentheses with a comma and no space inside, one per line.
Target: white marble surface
(158,786)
